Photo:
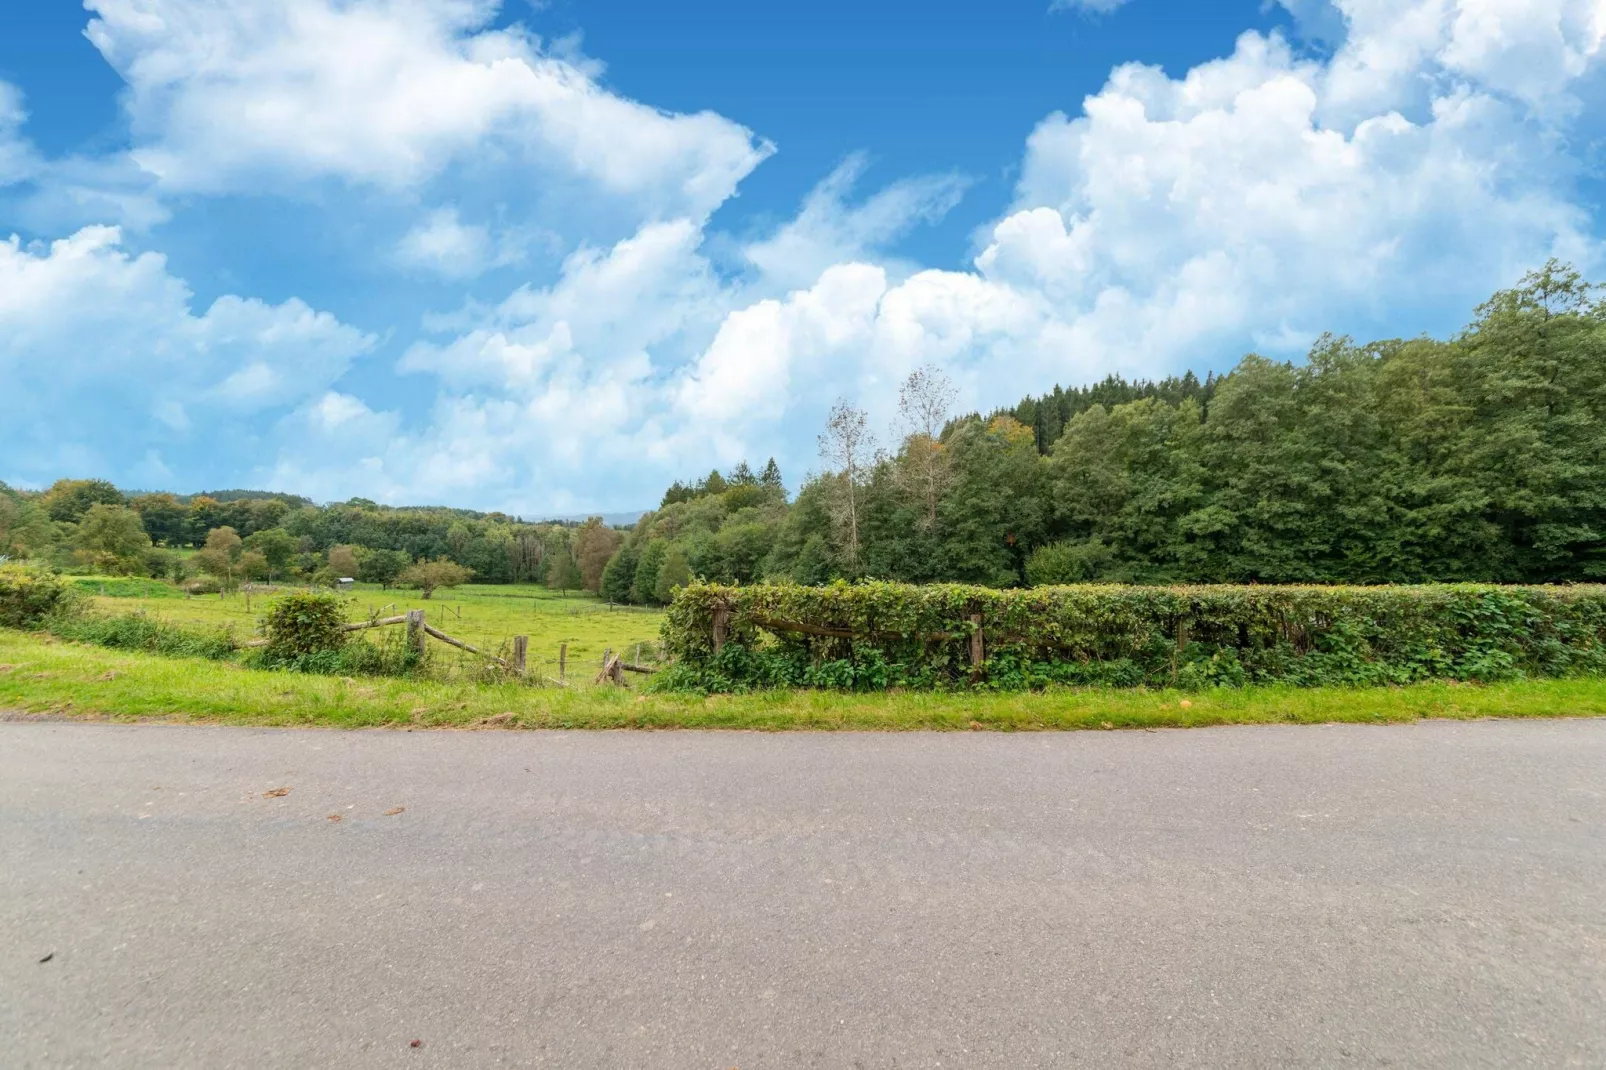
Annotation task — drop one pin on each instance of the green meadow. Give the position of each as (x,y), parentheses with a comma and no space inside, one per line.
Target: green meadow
(486,616)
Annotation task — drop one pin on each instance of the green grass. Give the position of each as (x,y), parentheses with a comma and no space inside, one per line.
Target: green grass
(482,614)
(122,589)
(39,674)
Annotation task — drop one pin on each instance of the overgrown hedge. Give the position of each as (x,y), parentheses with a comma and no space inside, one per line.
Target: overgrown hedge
(28,596)
(881,635)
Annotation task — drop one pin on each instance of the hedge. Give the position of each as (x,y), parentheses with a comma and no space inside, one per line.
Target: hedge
(871,636)
(29,595)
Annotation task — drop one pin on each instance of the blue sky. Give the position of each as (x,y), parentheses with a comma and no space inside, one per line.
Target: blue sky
(546,258)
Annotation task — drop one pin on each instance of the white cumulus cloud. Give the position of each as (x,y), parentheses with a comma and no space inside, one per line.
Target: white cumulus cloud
(104,359)
(389,93)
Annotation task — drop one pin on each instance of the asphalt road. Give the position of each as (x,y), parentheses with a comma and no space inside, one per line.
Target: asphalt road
(1431,895)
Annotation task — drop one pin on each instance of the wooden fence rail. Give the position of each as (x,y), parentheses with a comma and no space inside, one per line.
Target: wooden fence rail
(449,641)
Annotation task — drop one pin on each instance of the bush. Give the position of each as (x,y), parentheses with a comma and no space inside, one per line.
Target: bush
(1067,562)
(29,595)
(138,631)
(305,623)
(876,635)
(389,657)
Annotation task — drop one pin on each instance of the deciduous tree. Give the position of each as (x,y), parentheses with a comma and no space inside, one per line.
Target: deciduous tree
(847,446)
(427,576)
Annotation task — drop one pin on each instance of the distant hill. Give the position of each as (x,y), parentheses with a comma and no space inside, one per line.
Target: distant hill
(613,520)
(294,501)
(297,501)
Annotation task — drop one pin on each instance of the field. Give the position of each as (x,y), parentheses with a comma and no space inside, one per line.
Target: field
(42,675)
(484,615)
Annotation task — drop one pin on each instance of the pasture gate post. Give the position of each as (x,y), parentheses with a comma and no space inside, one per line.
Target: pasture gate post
(415,630)
(978,651)
(563,660)
(722,620)
(521,649)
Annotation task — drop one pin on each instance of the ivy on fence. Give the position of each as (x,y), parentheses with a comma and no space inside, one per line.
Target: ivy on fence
(870,636)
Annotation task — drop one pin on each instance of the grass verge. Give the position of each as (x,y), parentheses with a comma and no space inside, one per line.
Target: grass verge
(42,675)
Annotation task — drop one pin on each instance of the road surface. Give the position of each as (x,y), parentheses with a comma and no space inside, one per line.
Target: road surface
(1430,895)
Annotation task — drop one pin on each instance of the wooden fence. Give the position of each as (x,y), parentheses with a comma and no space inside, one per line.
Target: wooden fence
(419,631)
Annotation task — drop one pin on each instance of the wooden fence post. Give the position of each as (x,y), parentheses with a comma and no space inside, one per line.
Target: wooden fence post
(521,649)
(722,621)
(415,630)
(978,649)
(563,660)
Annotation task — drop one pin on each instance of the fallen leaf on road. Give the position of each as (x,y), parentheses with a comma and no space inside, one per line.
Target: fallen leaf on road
(393,811)
(276,793)
(336,817)
(415,1044)
(48,957)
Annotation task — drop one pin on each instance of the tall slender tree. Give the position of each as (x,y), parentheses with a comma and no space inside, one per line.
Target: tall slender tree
(848,447)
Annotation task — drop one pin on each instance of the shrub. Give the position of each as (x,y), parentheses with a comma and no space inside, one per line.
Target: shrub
(875,635)
(29,595)
(389,657)
(1067,562)
(304,623)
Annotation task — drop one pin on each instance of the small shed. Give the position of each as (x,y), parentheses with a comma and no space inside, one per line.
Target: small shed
(345,583)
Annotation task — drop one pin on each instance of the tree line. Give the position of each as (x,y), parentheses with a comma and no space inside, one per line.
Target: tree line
(1480,457)
(90,526)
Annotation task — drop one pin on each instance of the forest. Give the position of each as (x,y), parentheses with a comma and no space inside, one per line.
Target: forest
(1479,457)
